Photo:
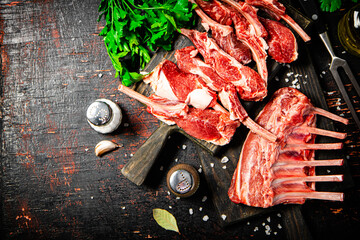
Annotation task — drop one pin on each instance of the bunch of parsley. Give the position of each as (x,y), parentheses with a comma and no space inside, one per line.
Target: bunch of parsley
(331,5)
(134,29)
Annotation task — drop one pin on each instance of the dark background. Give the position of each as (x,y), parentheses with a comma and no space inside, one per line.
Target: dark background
(52,185)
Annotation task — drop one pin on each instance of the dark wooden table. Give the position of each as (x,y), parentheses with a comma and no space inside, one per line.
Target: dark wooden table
(52,186)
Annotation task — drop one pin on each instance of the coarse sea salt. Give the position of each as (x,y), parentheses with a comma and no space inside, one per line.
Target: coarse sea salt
(212,164)
(223,216)
(191,211)
(184,146)
(225,159)
(204,199)
(205,218)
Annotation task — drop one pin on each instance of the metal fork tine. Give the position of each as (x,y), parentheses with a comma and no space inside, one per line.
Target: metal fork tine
(351,77)
(345,95)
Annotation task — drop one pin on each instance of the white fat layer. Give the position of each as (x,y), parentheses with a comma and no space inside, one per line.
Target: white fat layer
(199,98)
(162,88)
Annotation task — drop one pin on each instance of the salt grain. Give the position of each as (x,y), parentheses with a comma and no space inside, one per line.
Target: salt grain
(200,209)
(279,226)
(126,124)
(223,167)
(212,164)
(191,211)
(256,229)
(184,146)
(279,214)
(277,78)
(131,154)
(161,168)
(123,207)
(100,75)
(286,80)
(328,171)
(205,218)
(323,72)
(224,159)
(200,170)
(223,216)
(177,198)
(268,219)
(86,149)
(204,199)
(92,197)
(248,223)
(168,193)
(176,160)
(170,207)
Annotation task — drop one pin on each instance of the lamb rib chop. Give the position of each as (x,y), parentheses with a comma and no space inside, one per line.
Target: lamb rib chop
(168,81)
(282,42)
(226,39)
(188,61)
(248,83)
(278,10)
(244,31)
(250,13)
(270,173)
(209,125)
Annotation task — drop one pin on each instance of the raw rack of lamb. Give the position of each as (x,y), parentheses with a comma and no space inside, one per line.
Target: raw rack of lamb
(271,173)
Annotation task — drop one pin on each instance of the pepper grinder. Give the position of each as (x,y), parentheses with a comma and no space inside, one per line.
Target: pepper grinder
(183,180)
(104,115)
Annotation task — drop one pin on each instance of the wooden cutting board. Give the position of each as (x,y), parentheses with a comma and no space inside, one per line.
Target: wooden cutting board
(138,168)
(219,179)
(218,175)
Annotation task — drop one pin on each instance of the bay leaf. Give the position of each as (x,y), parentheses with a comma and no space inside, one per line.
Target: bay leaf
(165,219)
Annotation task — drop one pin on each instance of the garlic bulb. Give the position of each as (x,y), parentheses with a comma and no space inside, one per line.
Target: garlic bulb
(104,147)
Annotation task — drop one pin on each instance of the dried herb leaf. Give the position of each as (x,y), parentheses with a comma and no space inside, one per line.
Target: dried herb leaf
(165,219)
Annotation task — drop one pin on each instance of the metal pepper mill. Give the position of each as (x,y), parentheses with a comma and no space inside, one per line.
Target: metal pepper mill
(104,116)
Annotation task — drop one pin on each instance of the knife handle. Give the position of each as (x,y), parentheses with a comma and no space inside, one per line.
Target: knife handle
(144,158)
(312,11)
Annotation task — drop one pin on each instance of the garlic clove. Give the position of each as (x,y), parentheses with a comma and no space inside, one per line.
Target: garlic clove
(105,146)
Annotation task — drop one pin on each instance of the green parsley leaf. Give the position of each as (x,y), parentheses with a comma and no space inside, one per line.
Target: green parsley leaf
(134,28)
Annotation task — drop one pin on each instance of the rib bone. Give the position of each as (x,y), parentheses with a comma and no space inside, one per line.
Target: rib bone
(332,196)
(322,132)
(314,163)
(313,146)
(330,115)
(325,178)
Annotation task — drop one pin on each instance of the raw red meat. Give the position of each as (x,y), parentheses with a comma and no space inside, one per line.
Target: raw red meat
(278,10)
(168,81)
(250,13)
(271,173)
(225,37)
(189,62)
(245,32)
(249,84)
(209,125)
(216,11)
(282,42)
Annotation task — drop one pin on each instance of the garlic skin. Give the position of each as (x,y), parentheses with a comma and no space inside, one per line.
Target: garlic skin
(105,146)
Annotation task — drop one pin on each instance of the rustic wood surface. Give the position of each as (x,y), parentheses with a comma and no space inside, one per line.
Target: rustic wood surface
(52,185)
